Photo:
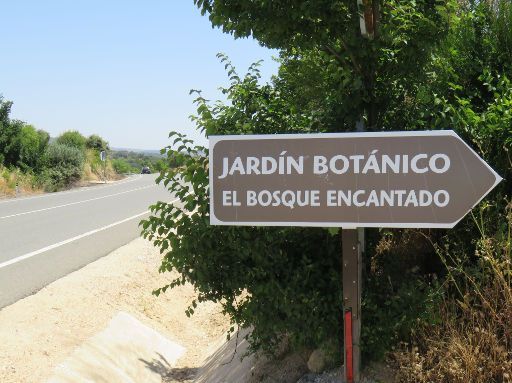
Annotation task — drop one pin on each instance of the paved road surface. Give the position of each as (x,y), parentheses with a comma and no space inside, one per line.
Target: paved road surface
(45,237)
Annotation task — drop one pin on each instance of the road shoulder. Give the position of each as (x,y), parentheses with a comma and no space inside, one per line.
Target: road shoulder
(39,332)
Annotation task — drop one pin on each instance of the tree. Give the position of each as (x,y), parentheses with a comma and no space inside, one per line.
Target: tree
(96,142)
(73,139)
(283,272)
(5,111)
(44,138)
(9,130)
(121,166)
(402,36)
(21,145)
(30,145)
(288,281)
(407,75)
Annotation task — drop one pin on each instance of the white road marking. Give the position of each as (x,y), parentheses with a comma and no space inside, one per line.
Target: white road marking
(129,179)
(76,203)
(65,242)
(62,243)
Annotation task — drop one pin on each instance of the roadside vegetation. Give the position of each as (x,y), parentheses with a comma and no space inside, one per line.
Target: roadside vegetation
(127,161)
(436,303)
(30,162)
(471,339)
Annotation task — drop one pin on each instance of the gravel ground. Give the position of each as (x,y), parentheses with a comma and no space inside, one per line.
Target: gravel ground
(329,377)
(40,331)
(375,373)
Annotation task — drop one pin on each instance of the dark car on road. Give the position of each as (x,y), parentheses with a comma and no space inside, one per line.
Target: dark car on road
(145,170)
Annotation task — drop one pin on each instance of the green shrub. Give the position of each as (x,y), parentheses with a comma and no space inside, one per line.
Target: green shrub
(399,294)
(96,142)
(73,139)
(30,145)
(281,281)
(137,160)
(62,165)
(415,74)
(122,166)
(21,145)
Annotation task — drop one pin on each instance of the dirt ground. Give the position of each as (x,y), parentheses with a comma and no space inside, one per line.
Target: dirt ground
(39,332)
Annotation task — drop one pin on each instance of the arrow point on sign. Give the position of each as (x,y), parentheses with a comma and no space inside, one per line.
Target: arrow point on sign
(497,177)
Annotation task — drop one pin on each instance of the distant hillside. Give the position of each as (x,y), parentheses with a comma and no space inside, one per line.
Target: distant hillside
(146,152)
(127,160)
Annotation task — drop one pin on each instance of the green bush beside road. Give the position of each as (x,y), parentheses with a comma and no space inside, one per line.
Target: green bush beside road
(61,166)
(29,162)
(442,65)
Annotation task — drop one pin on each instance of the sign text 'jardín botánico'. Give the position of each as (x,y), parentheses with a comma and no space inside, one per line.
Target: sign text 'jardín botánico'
(392,179)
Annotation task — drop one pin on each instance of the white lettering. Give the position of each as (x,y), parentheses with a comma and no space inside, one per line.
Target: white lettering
(414,164)
(237,166)
(268,165)
(253,164)
(411,199)
(315,198)
(425,198)
(225,168)
(388,162)
(226,198)
(251,198)
(320,165)
(347,198)
(332,164)
(373,199)
(371,163)
(437,199)
(355,198)
(331,198)
(298,166)
(356,160)
(433,163)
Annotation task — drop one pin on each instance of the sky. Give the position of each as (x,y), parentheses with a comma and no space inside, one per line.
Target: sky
(119,68)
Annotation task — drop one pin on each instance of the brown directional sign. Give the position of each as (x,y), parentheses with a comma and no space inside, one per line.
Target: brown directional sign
(387,179)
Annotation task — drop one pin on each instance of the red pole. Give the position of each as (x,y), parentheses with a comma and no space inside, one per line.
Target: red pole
(349,368)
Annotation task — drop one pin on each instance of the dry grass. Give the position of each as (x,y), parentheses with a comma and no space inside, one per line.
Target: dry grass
(9,179)
(95,170)
(473,342)
(27,185)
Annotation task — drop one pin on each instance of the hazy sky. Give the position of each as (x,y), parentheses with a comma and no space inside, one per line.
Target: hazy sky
(121,69)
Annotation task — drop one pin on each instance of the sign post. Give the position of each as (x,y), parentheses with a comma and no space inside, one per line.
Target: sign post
(352,267)
(424,179)
(103,158)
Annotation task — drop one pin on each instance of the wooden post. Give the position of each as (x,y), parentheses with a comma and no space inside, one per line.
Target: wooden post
(353,247)
(352,269)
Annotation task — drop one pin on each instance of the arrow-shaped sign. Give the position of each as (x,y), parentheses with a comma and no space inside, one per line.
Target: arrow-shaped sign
(388,179)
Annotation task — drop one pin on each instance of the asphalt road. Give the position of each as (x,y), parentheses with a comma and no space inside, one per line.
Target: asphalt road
(45,237)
